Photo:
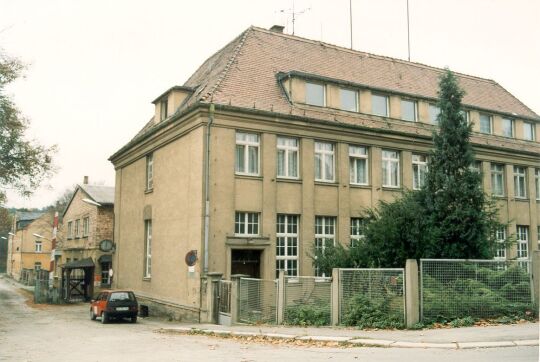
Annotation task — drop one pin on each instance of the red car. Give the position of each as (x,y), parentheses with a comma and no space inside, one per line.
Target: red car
(114,304)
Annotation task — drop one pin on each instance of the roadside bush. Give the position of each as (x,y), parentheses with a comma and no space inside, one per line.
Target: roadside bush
(364,312)
(308,315)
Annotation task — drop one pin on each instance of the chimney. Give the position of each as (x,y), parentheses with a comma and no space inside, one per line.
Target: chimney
(277,29)
(85,180)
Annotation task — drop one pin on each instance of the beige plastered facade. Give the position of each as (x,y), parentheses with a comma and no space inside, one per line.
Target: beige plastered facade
(176,203)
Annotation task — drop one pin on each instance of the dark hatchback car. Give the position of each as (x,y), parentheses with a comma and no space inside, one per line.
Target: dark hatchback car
(111,304)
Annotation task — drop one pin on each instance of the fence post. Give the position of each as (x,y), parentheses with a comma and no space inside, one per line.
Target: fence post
(535,268)
(235,296)
(335,297)
(412,299)
(281,297)
(211,289)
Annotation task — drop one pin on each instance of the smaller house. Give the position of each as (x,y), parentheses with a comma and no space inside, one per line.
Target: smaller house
(29,244)
(88,225)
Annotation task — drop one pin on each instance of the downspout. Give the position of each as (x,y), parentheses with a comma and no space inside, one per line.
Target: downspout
(206,188)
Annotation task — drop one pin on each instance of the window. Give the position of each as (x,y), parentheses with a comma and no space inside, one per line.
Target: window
(434,113)
(465,115)
(357,231)
(358,160)
(408,110)
(390,168)
(287,244)
(476,166)
(500,238)
(324,161)
(537,183)
(37,266)
(150,171)
(70,230)
(86,226)
(164,105)
(315,94)
(419,163)
(38,246)
(538,233)
(246,223)
(485,123)
(497,180)
(247,154)
(520,188)
(349,100)
(528,131)
(507,127)
(148,248)
(379,105)
(77,229)
(522,242)
(325,234)
(287,157)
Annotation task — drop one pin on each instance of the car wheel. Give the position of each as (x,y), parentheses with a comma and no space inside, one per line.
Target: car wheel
(92,315)
(104,318)
(134,319)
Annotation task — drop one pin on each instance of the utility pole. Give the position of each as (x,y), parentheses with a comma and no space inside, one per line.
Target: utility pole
(408,34)
(350,20)
(294,14)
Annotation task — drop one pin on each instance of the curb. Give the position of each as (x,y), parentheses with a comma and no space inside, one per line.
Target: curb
(353,341)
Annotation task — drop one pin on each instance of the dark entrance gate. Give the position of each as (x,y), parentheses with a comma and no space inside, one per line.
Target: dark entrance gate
(247,262)
(78,280)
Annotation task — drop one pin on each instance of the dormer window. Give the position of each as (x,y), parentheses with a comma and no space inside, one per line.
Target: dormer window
(315,94)
(164,105)
(348,100)
(485,123)
(507,127)
(434,111)
(379,105)
(408,110)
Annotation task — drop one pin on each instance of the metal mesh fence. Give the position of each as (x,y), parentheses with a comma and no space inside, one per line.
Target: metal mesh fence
(257,301)
(308,301)
(451,289)
(372,297)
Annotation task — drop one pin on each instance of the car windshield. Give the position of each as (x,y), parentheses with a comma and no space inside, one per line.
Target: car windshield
(120,296)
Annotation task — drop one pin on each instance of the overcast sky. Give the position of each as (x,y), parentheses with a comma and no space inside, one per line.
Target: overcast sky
(95,66)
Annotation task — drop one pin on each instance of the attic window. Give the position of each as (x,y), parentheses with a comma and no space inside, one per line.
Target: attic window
(163,113)
(315,94)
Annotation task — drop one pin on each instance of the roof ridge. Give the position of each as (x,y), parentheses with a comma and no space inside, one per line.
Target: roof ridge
(227,67)
(353,51)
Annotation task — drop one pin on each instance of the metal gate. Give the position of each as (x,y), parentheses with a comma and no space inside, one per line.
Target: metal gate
(224,302)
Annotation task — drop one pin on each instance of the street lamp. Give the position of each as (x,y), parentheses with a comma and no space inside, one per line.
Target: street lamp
(3,237)
(91,202)
(40,236)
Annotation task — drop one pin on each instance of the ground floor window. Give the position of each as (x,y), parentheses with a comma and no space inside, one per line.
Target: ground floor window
(37,266)
(287,244)
(522,237)
(325,234)
(105,276)
(500,252)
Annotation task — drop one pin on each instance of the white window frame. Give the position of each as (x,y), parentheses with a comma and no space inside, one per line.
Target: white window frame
(490,123)
(355,93)
(522,238)
(288,239)
(356,156)
(247,145)
(321,238)
(70,230)
(243,218)
(417,166)
(504,129)
(148,248)
(520,182)
(386,164)
(323,86)
(150,171)
(288,148)
(77,228)
(466,116)
(38,246)
(500,238)
(357,231)
(415,106)
(322,155)
(37,266)
(86,226)
(387,104)
(496,174)
(537,184)
(532,128)
(164,109)
(431,112)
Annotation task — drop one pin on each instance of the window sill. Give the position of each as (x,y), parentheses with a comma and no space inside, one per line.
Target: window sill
(500,197)
(147,279)
(391,188)
(148,191)
(291,180)
(327,183)
(248,177)
(521,199)
(359,186)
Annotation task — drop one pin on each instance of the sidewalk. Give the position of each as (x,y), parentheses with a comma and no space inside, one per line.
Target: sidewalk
(525,334)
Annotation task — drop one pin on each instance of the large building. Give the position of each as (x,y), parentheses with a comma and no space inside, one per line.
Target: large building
(277,143)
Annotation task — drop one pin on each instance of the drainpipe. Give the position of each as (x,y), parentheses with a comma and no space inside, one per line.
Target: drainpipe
(206,188)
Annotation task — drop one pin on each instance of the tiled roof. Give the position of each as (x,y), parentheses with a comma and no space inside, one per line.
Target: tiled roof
(100,194)
(28,216)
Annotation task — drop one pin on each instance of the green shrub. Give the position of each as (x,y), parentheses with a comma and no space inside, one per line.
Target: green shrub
(462,322)
(364,312)
(308,314)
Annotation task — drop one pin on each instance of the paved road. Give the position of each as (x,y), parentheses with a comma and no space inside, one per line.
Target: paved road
(65,333)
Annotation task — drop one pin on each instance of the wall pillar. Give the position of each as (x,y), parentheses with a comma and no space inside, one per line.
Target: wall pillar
(281,297)
(212,280)
(535,268)
(335,297)
(412,296)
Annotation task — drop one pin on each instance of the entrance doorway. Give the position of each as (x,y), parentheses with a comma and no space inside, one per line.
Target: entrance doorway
(246,262)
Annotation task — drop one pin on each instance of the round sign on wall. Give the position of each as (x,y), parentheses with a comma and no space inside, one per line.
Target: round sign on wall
(106,245)
(191,257)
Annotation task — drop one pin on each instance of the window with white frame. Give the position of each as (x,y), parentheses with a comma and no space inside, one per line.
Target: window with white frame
(379,105)
(357,231)
(522,236)
(287,244)
(315,94)
(485,123)
(507,127)
(324,161)
(520,188)
(287,157)
(247,154)
(348,100)
(419,163)
(358,165)
(528,131)
(537,183)
(500,238)
(434,112)
(246,224)
(164,109)
(325,234)
(497,179)
(408,110)
(147,248)
(70,230)
(390,168)
(37,266)
(38,246)
(77,228)
(86,226)
(150,171)
(465,115)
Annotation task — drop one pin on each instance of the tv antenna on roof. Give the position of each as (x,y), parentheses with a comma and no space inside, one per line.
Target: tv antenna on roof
(294,14)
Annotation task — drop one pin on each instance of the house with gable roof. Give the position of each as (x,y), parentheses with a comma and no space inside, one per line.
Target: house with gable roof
(278,143)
